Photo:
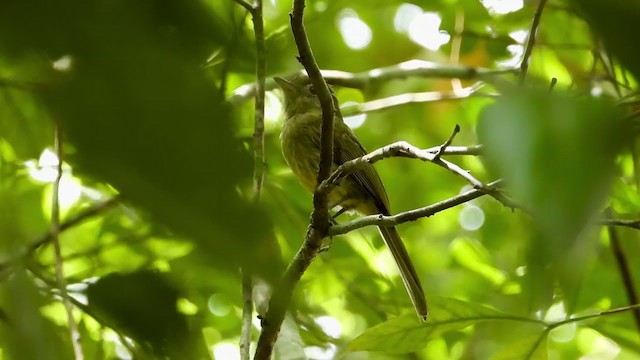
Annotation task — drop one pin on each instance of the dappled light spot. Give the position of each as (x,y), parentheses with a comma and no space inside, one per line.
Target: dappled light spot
(405,15)
(226,350)
(502,6)
(218,305)
(63,64)
(272,107)
(355,32)
(320,353)
(595,345)
(330,325)
(471,217)
(354,121)
(516,52)
(425,31)
(45,170)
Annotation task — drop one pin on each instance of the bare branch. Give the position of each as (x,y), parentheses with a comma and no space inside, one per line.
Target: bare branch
(258,168)
(634,224)
(365,79)
(528,50)
(444,146)
(412,215)
(250,8)
(397,149)
(55,232)
(317,231)
(46,238)
(624,269)
(247,314)
(408,98)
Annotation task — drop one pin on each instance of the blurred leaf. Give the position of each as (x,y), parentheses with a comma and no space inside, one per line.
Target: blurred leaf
(475,257)
(142,116)
(143,305)
(404,334)
(620,36)
(533,347)
(556,154)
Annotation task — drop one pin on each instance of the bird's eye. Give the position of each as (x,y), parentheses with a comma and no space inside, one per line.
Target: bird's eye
(311,89)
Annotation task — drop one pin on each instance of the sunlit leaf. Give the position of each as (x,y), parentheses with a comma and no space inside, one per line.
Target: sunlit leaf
(405,333)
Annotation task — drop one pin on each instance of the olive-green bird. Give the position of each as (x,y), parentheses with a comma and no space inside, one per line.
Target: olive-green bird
(361,191)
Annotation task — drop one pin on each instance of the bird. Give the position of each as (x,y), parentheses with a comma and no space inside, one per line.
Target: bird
(361,191)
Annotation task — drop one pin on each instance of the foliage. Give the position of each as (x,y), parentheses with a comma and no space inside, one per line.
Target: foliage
(158,212)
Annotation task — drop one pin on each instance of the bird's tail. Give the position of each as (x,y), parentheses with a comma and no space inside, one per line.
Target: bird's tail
(407,271)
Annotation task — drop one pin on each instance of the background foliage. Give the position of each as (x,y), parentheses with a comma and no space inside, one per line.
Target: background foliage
(156,190)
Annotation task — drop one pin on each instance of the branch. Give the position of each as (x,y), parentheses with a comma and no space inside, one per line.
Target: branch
(634,224)
(397,149)
(258,167)
(61,282)
(366,79)
(411,215)
(250,8)
(408,98)
(623,267)
(247,313)
(317,231)
(528,50)
(447,143)
(46,238)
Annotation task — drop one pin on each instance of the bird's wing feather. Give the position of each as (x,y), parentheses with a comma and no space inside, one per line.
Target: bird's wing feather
(367,177)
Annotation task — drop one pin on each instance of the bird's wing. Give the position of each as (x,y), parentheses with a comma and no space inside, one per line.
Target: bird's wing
(368,178)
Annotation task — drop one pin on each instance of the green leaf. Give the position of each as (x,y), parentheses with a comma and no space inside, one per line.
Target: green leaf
(556,154)
(405,333)
(620,35)
(532,347)
(143,305)
(142,115)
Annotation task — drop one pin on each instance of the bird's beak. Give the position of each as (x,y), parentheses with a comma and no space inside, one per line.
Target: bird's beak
(285,85)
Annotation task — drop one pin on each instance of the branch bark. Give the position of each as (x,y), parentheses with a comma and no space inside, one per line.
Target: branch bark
(317,231)
(365,79)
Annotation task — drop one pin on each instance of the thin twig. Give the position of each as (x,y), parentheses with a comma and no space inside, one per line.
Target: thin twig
(446,144)
(46,238)
(258,132)
(411,215)
(553,83)
(247,315)
(634,224)
(528,50)
(366,79)
(397,149)
(623,267)
(250,8)
(55,232)
(409,98)
(258,168)
(320,220)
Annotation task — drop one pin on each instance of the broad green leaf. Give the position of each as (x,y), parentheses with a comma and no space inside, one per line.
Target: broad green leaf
(556,154)
(143,305)
(404,334)
(143,115)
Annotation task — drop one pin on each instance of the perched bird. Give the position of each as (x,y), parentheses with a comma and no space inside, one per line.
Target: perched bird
(361,191)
